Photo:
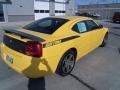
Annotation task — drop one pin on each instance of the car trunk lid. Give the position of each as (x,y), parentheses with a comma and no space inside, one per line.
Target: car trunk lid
(20,41)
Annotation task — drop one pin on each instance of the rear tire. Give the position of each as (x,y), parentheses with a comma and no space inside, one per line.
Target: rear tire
(67,63)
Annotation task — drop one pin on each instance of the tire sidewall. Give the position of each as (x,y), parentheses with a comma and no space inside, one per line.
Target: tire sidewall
(105,40)
(59,70)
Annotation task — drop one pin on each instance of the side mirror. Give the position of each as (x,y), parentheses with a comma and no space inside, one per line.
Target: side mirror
(100,26)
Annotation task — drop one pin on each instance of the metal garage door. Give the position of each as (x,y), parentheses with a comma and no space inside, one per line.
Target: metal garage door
(41,9)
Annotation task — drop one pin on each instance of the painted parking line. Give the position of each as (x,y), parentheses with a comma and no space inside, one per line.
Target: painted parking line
(82,82)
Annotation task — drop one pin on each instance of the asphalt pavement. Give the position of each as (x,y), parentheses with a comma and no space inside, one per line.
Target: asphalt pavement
(99,70)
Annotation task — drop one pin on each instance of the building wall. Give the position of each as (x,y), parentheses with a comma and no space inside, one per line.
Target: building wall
(24,10)
(19,10)
(105,10)
(13,18)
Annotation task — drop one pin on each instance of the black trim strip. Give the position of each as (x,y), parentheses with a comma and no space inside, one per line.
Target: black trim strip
(24,35)
(69,38)
(59,41)
(14,44)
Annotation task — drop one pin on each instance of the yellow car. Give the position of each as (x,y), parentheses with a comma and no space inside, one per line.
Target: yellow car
(51,44)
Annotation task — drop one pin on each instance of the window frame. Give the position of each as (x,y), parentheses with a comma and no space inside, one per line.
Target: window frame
(42,11)
(85,25)
(46,11)
(78,30)
(91,29)
(36,11)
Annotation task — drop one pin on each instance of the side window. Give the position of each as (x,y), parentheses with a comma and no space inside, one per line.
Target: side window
(91,25)
(80,27)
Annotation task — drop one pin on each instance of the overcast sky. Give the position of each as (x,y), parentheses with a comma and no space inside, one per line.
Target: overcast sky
(84,2)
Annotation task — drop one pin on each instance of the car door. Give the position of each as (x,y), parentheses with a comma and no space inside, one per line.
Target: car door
(96,33)
(84,42)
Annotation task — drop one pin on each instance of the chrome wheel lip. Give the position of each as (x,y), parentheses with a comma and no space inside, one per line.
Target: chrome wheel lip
(68,63)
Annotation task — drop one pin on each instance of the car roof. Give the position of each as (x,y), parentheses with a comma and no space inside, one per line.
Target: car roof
(72,17)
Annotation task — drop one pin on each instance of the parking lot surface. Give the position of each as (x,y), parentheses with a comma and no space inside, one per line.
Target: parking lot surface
(99,70)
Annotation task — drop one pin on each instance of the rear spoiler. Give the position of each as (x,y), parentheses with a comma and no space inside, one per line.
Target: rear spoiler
(24,35)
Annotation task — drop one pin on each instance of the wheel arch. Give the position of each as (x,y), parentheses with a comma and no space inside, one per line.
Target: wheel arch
(73,49)
(106,34)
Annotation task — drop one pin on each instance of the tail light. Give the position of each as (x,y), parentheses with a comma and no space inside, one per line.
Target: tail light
(33,48)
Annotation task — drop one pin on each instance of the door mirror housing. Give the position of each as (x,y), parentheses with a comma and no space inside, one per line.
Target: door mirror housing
(100,26)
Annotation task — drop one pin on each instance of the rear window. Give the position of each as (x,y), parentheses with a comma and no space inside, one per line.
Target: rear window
(117,13)
(46,25)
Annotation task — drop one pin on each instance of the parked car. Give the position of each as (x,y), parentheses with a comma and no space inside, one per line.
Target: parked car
(91,15)
(85,14)
(95,15)
(52,44)
(116,17)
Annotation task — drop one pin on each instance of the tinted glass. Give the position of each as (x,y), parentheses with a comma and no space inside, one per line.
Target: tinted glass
(46,11)
(117,13)
(46,25)
(80,27)
(36,11)
(63,11)
(91,25)
(56,11)
(41,11)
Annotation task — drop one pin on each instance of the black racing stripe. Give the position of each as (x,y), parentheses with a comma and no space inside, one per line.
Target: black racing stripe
(14,44)
(69,38)
(61,41)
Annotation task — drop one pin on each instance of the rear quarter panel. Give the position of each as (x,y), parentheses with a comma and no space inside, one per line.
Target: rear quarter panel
(56,52)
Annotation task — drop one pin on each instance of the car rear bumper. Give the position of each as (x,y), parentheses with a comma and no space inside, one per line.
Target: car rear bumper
(26,65)
(116,19)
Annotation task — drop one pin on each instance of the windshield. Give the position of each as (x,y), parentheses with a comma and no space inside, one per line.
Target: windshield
(46,25)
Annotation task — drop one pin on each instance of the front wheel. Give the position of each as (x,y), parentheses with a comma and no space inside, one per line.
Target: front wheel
(104,41)
(67,63)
